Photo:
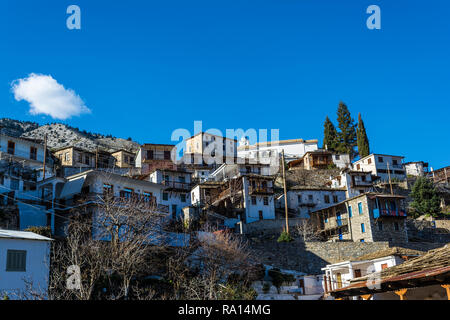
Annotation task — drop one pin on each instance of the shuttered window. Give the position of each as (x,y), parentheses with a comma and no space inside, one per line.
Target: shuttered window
(16,260)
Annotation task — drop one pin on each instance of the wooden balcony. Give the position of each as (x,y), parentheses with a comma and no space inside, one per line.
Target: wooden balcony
(174,185)
(260,190)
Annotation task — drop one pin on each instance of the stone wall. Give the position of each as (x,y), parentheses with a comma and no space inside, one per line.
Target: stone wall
(310,257)
(266,227)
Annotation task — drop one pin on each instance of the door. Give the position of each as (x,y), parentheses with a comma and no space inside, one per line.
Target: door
(260,215)
(339,280)
(357,273)
(174,211)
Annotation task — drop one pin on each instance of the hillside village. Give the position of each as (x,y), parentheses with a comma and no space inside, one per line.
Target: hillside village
(288,219)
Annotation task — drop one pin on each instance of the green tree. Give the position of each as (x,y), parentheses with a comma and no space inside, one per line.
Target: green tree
(347,134)
(361,137)
(330,135)
(425,198)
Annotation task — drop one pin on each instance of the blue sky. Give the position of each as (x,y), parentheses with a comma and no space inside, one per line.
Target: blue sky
(146,68)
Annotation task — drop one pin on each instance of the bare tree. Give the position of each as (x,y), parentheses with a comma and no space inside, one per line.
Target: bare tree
(307,231)
(208,269)
(112,243)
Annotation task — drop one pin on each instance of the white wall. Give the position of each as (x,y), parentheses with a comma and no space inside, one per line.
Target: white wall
(22,148)
(37,265)
(318,200)
(252,211)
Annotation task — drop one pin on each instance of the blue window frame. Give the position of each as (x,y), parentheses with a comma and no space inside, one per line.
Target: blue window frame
(360,208)
(350,214)
(363,228)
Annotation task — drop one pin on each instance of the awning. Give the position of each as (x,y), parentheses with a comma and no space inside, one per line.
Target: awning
(72,187)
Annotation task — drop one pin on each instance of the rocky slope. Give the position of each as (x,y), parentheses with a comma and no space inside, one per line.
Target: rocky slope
(61,135)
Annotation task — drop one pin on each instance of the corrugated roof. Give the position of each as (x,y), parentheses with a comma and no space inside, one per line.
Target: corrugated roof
(25,235)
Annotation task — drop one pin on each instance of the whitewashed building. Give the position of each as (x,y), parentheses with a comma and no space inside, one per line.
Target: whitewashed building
(303,199)
(176,194)
(293,149)
(338,275)
(379,164)
(24,263)
(417,168)
(354,182)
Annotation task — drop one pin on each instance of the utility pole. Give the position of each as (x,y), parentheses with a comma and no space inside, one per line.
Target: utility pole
(45,155)
(285,193)
(96,158)
(45,158)
(389,175)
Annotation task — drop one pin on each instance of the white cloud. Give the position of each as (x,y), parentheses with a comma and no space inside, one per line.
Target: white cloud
(46,96)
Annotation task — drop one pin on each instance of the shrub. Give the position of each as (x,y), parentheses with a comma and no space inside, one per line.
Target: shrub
(284,237)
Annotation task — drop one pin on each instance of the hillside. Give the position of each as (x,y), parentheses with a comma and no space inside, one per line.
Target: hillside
(61,135)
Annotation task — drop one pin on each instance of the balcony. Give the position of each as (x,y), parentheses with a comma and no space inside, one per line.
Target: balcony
(176,185)
(334,223)
(260,190)
(377,213)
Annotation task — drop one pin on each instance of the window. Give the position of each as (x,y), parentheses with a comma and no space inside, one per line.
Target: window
(369,161)
(16,260)
(14,184)
(380,225)
(182,179)
(166,155)
(335,199)
(396,226)
(338,157)
(33,153)
(363,228)
(147,196)
(357,273)
(310,197)
(363,178)
(380,159)
(360,208)
(261,217)
(327,198)
(266,201)
(67,156)
(299,198)
(358,166)
(108,189)
(127,193)
(183,197)
(165,196)
(150,154)
(87,160)
(384,266)
(394,162)
(350,211)
(253,200)
(11,147)
(361,240)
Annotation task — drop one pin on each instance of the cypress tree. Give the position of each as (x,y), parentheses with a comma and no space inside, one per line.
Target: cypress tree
(363,141)
(330,135)
(347,134)
(425,198)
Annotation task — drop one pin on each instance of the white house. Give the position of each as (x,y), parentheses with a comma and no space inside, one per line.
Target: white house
(338,275)
(354,182)
(304,200)
(417,169)
(93,184)
(176,194)
(293,149)
(24,263)
(379,164)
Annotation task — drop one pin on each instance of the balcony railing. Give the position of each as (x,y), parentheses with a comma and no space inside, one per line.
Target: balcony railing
(388,213)
(260,190)
(176,185)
